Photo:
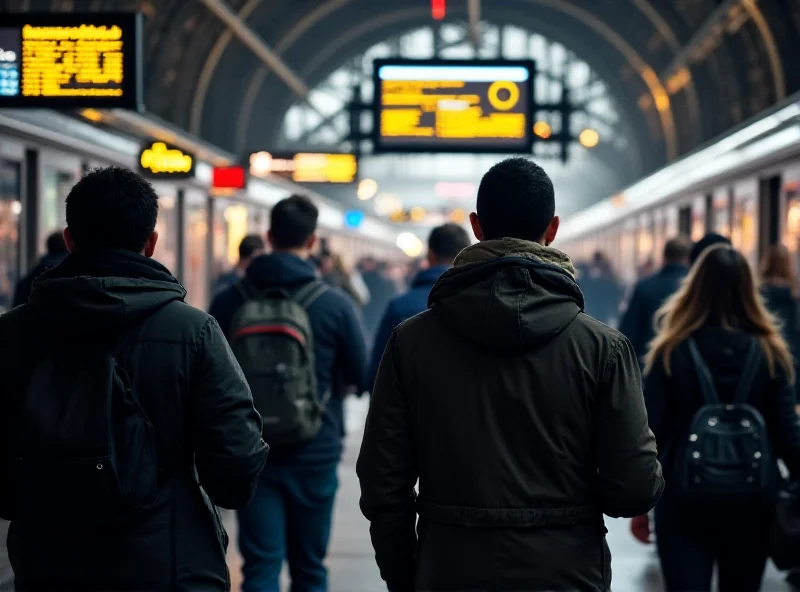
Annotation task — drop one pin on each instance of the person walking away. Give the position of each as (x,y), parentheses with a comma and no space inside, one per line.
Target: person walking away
(602,290)
(778,287)
(125,417)
(251,247)
(301,345)
(56,253)
(709,240)
(651,293)
(521,417)
(381,291)
(720,399)
(444,244)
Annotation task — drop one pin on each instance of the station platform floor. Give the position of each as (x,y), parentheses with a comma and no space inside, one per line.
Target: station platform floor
(351,558)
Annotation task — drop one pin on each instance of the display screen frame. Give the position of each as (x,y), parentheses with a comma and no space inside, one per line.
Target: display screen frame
(434,147)
(132,25)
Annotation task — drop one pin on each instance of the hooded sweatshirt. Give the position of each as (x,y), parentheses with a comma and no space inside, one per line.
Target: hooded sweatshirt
(523,420)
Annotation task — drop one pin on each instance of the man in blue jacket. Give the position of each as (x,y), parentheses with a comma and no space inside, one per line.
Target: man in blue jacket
(444,243)
(290,515)
(651,292)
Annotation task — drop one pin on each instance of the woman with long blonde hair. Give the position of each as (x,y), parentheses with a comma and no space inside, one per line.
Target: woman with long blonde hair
(709,332)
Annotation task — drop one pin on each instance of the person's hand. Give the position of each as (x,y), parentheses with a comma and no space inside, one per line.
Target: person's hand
(640,529)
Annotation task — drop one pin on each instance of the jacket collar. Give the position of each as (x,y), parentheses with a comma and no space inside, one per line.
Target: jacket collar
(428,277)
(514,247)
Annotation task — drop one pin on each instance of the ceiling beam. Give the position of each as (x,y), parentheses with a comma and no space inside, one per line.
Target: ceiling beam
(474,12)
(257,45)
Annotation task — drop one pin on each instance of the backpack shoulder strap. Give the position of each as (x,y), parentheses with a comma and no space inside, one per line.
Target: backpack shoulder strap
(247,290)
(749,372)
(309,293)
(704,374)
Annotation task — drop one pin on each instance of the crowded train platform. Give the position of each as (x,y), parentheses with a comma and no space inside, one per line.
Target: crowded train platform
(419,296)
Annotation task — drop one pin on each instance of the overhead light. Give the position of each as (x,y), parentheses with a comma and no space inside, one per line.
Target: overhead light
(454,190)
(417,214)
(386,203)
(410,244)
(589,138)
(367,189)
(92,115)
(261,164)
(542,129)
(458,216)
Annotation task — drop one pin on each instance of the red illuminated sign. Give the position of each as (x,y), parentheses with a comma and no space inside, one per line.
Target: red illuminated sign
(232,177)
(438,9)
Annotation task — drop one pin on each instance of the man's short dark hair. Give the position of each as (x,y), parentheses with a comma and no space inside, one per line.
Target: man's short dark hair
(111,207)
(447,241)
(516,199)
(55,244)
(293,221)
(678,249)
(710,239)
(249,245)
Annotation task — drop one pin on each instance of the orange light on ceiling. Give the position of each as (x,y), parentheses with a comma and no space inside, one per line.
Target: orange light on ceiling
(438,9)
(542,129)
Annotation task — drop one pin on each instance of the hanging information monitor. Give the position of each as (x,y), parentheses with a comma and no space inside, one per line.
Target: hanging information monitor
(453,106)
(70,60)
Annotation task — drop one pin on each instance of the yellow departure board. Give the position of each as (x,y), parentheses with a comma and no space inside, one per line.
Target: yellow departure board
(70,60)
(305,167)
(453,106)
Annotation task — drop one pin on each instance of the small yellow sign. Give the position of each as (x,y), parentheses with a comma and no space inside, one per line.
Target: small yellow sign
(160,160)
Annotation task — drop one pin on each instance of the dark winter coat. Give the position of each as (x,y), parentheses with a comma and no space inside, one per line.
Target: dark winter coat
(402,308)
(23,290)
(524,421)
(673,400)
(193,391)
(339,348)
(648,296)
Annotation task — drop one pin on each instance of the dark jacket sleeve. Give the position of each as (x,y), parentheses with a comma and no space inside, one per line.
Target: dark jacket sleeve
(352,345)
(387,471)
(784,423)
(229,451)
(23,291)
(389,321)
(630,325)
(629,474)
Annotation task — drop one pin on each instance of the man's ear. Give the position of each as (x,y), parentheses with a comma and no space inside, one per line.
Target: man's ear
(150,244)
(476,226)
(68,240)
(552,230)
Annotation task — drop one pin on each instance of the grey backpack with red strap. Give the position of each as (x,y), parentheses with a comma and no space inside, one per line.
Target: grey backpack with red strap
(271,338)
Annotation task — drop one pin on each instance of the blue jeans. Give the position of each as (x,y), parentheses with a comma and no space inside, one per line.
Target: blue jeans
(289,518)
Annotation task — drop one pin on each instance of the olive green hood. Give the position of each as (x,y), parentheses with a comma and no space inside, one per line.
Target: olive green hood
(508,294)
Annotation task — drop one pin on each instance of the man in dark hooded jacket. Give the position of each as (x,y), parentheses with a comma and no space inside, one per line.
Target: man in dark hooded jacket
(56,253)
(522,417)
(109,292)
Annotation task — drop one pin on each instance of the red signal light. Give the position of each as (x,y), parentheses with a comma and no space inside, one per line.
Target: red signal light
(232,177)
(438,9)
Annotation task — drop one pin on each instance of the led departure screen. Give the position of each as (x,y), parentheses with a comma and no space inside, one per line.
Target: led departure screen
(70,60)
(453,106)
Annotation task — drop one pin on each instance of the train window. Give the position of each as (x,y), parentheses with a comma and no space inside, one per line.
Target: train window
(659,236)
(685,221)
(791,228)
(195,268)
(722,212)
(10,210)
(627,252)
(744,230)
(167,228)
(644,245)
(56,185)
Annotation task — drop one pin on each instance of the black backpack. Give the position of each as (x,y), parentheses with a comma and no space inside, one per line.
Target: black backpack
(83,449)
(727,455)
(271,338)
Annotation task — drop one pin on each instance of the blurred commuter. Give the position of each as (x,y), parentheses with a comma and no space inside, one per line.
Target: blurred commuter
(522,417)
(778,288)
(721,403)
(56,253)
(335,274)
(290,515)
(602,291)
(381,291)
(709,240)
(106,361)
(251,247)
(444,243)
(650,293)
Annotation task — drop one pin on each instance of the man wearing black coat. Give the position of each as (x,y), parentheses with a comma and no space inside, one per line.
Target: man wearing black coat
(651,292)
(521,417)
(56,253)
(110,293)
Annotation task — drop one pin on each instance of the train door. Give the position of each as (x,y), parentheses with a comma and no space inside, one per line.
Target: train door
(769,208)
(10,229)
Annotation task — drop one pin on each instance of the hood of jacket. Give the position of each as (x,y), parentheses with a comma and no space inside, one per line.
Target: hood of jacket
(280,270)
(98,292)
(429,277)
(508,294)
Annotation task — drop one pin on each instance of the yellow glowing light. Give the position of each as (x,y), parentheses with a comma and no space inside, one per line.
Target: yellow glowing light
(160,159)
(410,244)
(458,216)
(503,104)
(236,217)
(417,214)
(542,129)
(260,164)
(92,115)
(367,189)
(589,138)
